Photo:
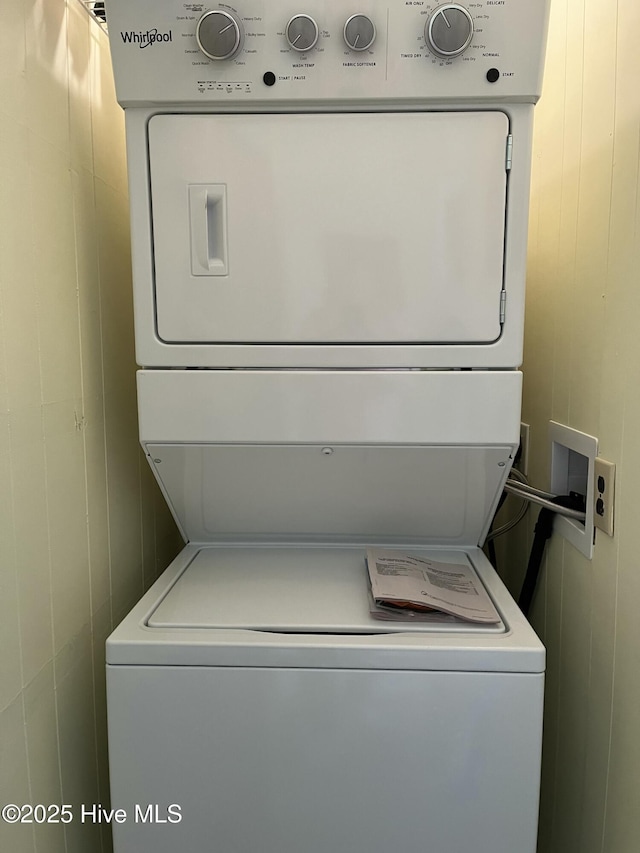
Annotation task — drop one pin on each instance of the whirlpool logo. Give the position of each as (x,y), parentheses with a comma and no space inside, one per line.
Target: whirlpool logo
(146,39)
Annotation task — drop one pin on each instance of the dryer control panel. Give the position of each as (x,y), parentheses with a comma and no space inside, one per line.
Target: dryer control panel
(326,51)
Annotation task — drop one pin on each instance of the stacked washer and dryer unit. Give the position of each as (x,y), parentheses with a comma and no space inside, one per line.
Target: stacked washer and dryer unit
(329,223)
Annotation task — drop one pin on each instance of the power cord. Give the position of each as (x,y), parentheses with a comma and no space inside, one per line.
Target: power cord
(572,506)
(514,477)
(542,533)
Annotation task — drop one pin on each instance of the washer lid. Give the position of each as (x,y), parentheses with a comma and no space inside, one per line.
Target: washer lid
(291,590)
(184,602)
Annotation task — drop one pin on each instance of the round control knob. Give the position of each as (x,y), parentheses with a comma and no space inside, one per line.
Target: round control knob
(449,30)
(219,34)
(359,32)
(302,33)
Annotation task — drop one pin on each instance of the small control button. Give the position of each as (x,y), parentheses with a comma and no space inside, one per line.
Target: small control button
(493,75)
(268,78)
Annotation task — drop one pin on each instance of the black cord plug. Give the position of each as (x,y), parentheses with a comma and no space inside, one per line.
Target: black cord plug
(542,532)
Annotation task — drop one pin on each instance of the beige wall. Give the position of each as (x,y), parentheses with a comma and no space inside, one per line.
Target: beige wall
(82,527)
(582,368)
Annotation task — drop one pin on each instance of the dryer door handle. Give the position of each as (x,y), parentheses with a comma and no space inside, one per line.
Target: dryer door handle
(208,229)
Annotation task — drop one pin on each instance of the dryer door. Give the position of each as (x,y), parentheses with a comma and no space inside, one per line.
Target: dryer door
(374,228)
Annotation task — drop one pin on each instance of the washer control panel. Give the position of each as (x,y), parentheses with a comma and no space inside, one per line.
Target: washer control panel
(167,51)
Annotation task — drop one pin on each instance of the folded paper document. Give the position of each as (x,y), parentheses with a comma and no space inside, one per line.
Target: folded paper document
(410,585)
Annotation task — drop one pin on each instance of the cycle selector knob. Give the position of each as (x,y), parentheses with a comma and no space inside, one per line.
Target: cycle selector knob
(449,30)
(302,33)
(359,32)
(219,34)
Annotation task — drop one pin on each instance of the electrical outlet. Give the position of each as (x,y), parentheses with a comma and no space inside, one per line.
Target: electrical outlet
(522,461)
(603,495)
(573,454)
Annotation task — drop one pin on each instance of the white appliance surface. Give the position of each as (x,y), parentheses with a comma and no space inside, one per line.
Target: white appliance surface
(378,407)
(332,207)
(289,759)
(329,250)
(192,616)
(299,590)
(275,741)
(157,59)
(329,228)
(367,455)
(402,493)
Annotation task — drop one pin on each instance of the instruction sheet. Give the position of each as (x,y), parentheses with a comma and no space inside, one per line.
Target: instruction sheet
(405,582)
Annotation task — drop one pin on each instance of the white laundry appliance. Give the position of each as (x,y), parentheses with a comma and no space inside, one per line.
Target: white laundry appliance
(329,221)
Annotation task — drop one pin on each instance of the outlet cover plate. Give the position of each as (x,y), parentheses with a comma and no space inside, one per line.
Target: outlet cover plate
(604,495)
(573,455)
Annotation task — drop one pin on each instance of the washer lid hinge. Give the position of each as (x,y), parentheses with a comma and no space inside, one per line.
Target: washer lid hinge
(503,304)
(509,154)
